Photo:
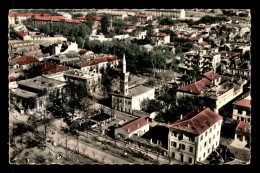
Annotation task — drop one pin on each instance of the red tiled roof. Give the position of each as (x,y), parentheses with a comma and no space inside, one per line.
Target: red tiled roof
(129,27)
(178,32)
(204,43)
(83,51)
(28,14)
(196,87)
(12,78)
(91,17)
(142,15)
(201,26)
(235,56)
(20,33)
(159,34)
(133,125)
(243,127)
(26,59)
(181,24)
(162,26)
(197,122)
(49,68)
(98,60)
(244,103)
(212,75)
(57,19)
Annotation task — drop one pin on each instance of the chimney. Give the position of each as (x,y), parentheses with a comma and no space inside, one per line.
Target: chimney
(180,117)
(128,129)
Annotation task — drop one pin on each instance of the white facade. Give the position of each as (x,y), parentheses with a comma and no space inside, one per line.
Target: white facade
(121,132)
(191,148)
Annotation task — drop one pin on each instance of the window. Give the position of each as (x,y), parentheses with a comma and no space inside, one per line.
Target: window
(218,133)
(247,112)
(173,155)
(208,150)
(190,160)
(215,126)
(209,140)
(201,138)
(204,154)
(239,111)
(206,134)
(192,138)
(174,133)
(191,149)
(237,118)
(173,144)
(180,136)
(182,146)
(199,159)
(205,144)
(210,130)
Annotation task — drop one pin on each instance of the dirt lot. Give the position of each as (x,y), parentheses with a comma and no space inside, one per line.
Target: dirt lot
(38,156)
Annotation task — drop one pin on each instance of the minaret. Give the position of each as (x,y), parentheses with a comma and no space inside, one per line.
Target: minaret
(124,79)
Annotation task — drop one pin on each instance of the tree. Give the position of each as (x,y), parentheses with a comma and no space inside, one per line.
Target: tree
(105,23)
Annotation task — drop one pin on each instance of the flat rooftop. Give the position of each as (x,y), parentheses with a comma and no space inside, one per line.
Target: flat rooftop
(138,90)
(23,93)
(41,82)
(80,74)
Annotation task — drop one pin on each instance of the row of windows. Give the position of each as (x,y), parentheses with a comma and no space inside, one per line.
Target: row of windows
(181,146)
(191,138)
(190,159)
(210,130)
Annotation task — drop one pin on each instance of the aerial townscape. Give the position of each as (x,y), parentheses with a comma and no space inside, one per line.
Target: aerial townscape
(129,86)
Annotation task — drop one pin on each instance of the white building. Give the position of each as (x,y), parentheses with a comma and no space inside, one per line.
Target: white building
(91,81)
(217,89)
(129,99)
(136,127)
(193,138)
(242,110)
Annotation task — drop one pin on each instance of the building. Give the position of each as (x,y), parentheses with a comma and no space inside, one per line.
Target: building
(16,47)
(137,127)
(95,65)
(143,18)
(129,29)
(38,21)
(32,95)
(242,135)
(218,90)
(26,61)
(160,38)
(129,99)
(201,60)
(193,138)
(171,13)
(242,110)
(13,17)
(91,81)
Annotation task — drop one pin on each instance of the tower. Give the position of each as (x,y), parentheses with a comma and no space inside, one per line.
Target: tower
(124,79)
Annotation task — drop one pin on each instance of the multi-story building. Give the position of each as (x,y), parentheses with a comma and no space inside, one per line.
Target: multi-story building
(143,18)
(19,46)
(200,59)
(20,17)
(129,99)
(91,81)
(32,95)
(217,89)
(160,38)
(171,13)
(39,21)
(97,64)
(242,135)
(193,138)
(26,62)
(242,110)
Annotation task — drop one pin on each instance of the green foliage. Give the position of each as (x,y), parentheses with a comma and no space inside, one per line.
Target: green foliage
(105,23)
(210,19)
(76,15)
(66,29)
(151,105)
